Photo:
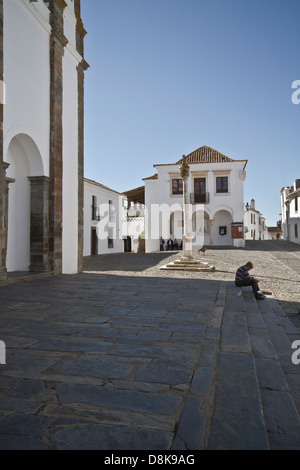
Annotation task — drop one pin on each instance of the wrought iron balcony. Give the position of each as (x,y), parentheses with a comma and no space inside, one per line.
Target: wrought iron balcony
(199,198)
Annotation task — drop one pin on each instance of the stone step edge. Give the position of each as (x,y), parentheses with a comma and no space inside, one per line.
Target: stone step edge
(267,327)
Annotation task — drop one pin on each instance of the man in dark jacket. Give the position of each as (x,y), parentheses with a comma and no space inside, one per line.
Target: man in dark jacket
(243,278)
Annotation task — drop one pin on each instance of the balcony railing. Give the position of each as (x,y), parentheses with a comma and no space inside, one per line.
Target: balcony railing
(199,198)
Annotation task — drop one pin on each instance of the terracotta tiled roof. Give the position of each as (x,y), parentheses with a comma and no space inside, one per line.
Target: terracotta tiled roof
(204,155)
(201,155)
(207,155)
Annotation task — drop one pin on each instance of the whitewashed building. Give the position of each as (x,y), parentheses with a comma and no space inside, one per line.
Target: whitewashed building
(41,155)
(290,212)
(102,219)
(254,223)
(113,222)
(216,195)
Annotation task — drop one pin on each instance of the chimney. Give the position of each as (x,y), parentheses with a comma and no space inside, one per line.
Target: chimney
(252,205)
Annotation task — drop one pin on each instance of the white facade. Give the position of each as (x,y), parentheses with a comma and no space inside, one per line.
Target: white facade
(255,223)
(102,219)
(290,212)
(27,124)
(26,117)
(133,225)
(216,194)
(110,225)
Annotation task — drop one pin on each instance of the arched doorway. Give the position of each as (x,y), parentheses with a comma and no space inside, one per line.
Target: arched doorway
(222,228)
(201,228)
(27,205)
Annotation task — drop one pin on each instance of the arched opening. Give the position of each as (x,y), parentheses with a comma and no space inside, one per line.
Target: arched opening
(222,228)
(26,203)
(201,228)
(176,224)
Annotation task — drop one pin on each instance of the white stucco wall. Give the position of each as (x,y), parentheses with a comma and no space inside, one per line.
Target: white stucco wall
(290,214)
(103,196)
(26,116)
(27,76)
(27,123)
(70,161)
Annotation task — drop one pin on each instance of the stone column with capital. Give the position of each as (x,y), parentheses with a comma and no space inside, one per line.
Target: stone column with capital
(187,244)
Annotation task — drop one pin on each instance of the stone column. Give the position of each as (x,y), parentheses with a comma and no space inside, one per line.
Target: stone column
(39,224)
(57,44)
(80,34)
(211,227)
(187,237)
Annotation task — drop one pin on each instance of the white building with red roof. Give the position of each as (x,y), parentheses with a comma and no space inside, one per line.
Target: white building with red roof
(216,200)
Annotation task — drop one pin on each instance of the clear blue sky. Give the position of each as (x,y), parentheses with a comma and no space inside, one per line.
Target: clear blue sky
(168,76)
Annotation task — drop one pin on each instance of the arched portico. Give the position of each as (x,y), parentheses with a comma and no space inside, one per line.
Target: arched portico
(28,196)
(200,228)
(221,227)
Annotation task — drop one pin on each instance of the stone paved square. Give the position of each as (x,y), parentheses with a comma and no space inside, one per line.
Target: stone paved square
(125,360)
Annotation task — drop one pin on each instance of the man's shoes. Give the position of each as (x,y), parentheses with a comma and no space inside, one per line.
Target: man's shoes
(259,296)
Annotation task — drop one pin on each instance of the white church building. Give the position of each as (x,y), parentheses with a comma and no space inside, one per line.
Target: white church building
(216,200)
(41,155)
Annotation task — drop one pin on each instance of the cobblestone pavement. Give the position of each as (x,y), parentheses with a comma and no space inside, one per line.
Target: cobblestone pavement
(276,265)
(126,357)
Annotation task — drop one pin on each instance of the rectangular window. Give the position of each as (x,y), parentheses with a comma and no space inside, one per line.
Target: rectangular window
(296,230)
(94,208)
(222,184)
(177,186)
(296,204)
(200,190)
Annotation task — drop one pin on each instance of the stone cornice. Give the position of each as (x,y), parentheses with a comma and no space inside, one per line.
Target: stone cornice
(293,194)
(57,3)
(58,36)
(80,27)
(83,65)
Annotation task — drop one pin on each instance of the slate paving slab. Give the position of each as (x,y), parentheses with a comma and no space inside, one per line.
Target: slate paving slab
(237,422)
(123,361)
(118,399)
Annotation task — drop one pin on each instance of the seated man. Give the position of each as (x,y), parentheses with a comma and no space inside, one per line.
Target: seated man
(243,278)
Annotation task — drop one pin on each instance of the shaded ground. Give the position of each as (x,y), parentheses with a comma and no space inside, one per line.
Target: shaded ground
(276,265)
(126,357)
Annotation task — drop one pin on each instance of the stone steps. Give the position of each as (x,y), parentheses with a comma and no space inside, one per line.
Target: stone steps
(237,422)
(271,350)
(256,384)
(279,378)
(188,265)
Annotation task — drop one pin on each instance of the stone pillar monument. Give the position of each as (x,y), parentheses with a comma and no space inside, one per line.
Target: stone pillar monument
(187,262)
(187,244)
